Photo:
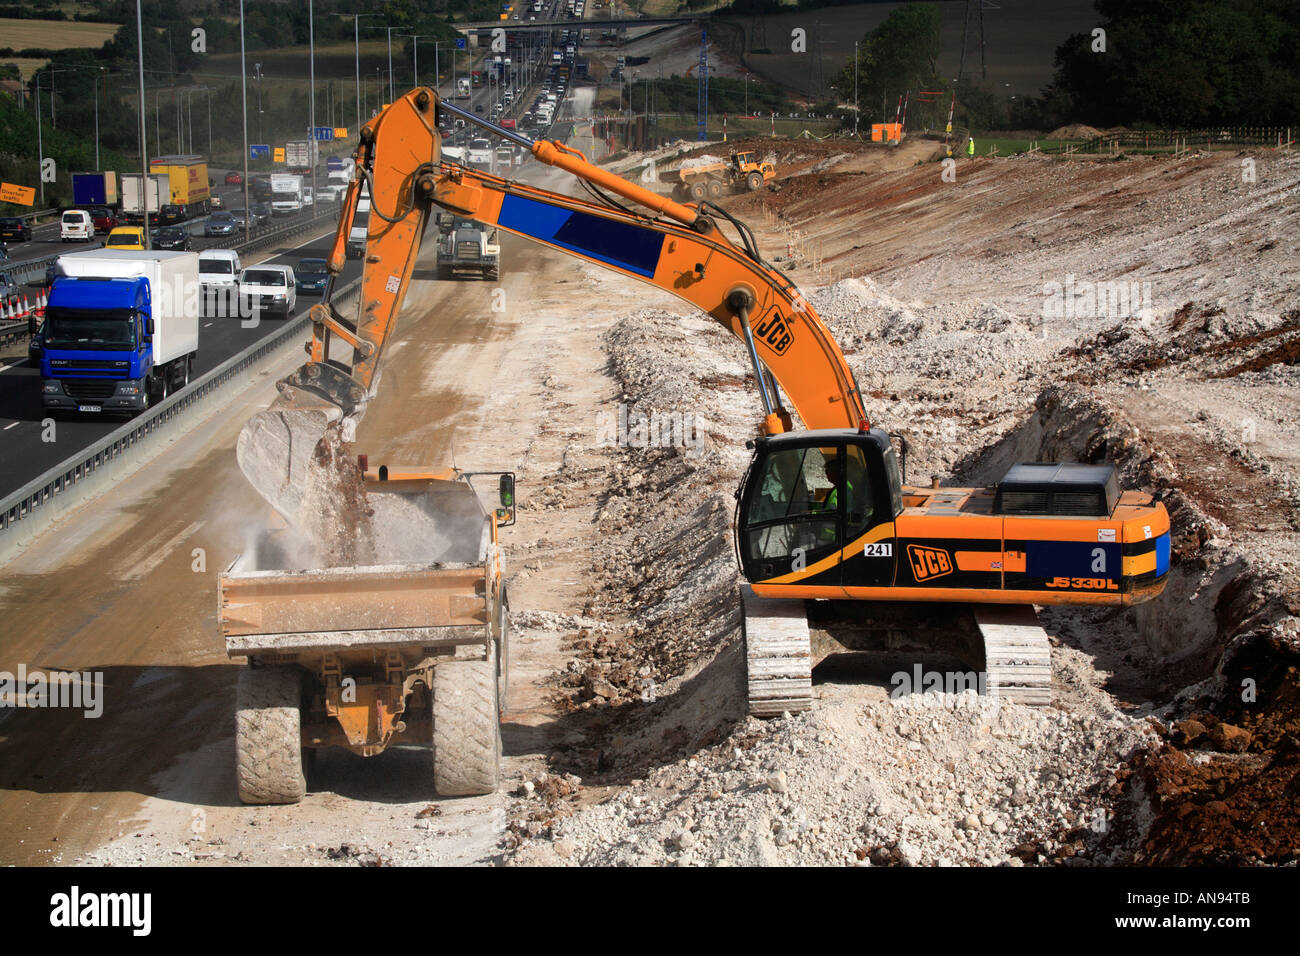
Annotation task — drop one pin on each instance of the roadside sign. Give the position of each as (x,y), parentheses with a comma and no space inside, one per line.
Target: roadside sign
(462,42)
(259,151)
(340,132)
(323,133)
(279,154)
(20,195)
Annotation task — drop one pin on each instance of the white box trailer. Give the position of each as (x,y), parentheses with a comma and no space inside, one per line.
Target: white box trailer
(173,289)
(157,194)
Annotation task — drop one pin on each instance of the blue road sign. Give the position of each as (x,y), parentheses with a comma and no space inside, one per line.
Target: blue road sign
(461,43)
(258,151)
(323,132)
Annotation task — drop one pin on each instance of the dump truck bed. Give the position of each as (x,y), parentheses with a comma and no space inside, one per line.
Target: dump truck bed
(692,173)
(417,607)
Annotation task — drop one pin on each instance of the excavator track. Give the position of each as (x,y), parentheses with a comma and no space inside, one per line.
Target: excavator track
(1017,654)
(778,655)
(786,638)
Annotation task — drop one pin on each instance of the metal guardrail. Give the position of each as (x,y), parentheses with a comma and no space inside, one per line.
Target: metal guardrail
(12,330)
(42,497)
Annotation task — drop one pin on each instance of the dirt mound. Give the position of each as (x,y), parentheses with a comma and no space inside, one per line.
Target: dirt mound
(1074,131)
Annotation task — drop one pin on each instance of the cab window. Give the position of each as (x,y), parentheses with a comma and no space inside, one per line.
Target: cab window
(793,505)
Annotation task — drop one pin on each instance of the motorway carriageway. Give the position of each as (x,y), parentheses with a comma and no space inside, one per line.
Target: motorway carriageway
(24,456)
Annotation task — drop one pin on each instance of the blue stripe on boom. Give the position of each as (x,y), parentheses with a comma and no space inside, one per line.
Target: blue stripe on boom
(618,243)
(1162,554)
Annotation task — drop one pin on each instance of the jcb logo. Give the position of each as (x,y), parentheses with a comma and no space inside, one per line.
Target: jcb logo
(775,333)
(928,563)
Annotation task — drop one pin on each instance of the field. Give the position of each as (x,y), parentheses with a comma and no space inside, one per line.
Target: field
(54,34)
(27,66)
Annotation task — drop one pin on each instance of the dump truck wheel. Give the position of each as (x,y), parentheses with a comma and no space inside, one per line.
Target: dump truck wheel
(715,188)
(268,735)
(698,191)
(466,728)
(754,181)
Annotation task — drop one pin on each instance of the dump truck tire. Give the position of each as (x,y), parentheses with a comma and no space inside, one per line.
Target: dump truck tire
(754,181)
(715,188)
(698,191)
(268,735)
(466,728)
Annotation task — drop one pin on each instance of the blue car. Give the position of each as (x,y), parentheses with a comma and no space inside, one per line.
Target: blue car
(221,224)
(310,275)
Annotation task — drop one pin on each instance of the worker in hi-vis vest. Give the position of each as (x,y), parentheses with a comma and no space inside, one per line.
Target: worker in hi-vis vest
(970,147)
(831,502)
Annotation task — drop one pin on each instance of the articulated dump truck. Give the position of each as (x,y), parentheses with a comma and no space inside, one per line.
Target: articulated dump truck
(368,656)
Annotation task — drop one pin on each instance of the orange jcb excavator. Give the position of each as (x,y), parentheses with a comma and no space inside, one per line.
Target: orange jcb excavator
(823,513)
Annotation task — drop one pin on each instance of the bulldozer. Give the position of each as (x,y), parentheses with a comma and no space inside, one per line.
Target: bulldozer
(825,527)
(741,172)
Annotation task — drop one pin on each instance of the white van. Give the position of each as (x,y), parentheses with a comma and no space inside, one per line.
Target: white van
(76,225)
(268,288)
(218,278)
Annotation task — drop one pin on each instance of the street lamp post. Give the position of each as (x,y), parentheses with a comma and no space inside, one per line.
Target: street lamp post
(40,147)
(311,108)
(415,55)
(144,151)
(855,87)
(243,80)
(356,41)
(390,61)
(258,68)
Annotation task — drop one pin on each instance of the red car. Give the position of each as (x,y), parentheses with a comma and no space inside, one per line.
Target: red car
(234,179)
(103,218)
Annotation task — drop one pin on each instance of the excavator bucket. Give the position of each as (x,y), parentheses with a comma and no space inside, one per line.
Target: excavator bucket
(280,450)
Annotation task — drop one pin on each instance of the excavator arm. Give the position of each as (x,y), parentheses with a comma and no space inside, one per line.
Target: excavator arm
(681,250)
(677,247)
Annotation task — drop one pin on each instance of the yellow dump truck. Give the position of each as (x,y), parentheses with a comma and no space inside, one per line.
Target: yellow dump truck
(362,657)
(741,172)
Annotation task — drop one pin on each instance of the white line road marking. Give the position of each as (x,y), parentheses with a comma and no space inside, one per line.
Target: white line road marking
(10,425)
(207,324)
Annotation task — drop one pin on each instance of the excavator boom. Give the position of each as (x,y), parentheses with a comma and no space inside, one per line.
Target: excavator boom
(680,248)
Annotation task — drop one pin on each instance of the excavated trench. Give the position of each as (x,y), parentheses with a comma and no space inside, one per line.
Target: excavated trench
(1214,658)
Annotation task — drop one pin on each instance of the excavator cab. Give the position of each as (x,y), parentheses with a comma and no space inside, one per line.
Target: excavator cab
(813,502)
